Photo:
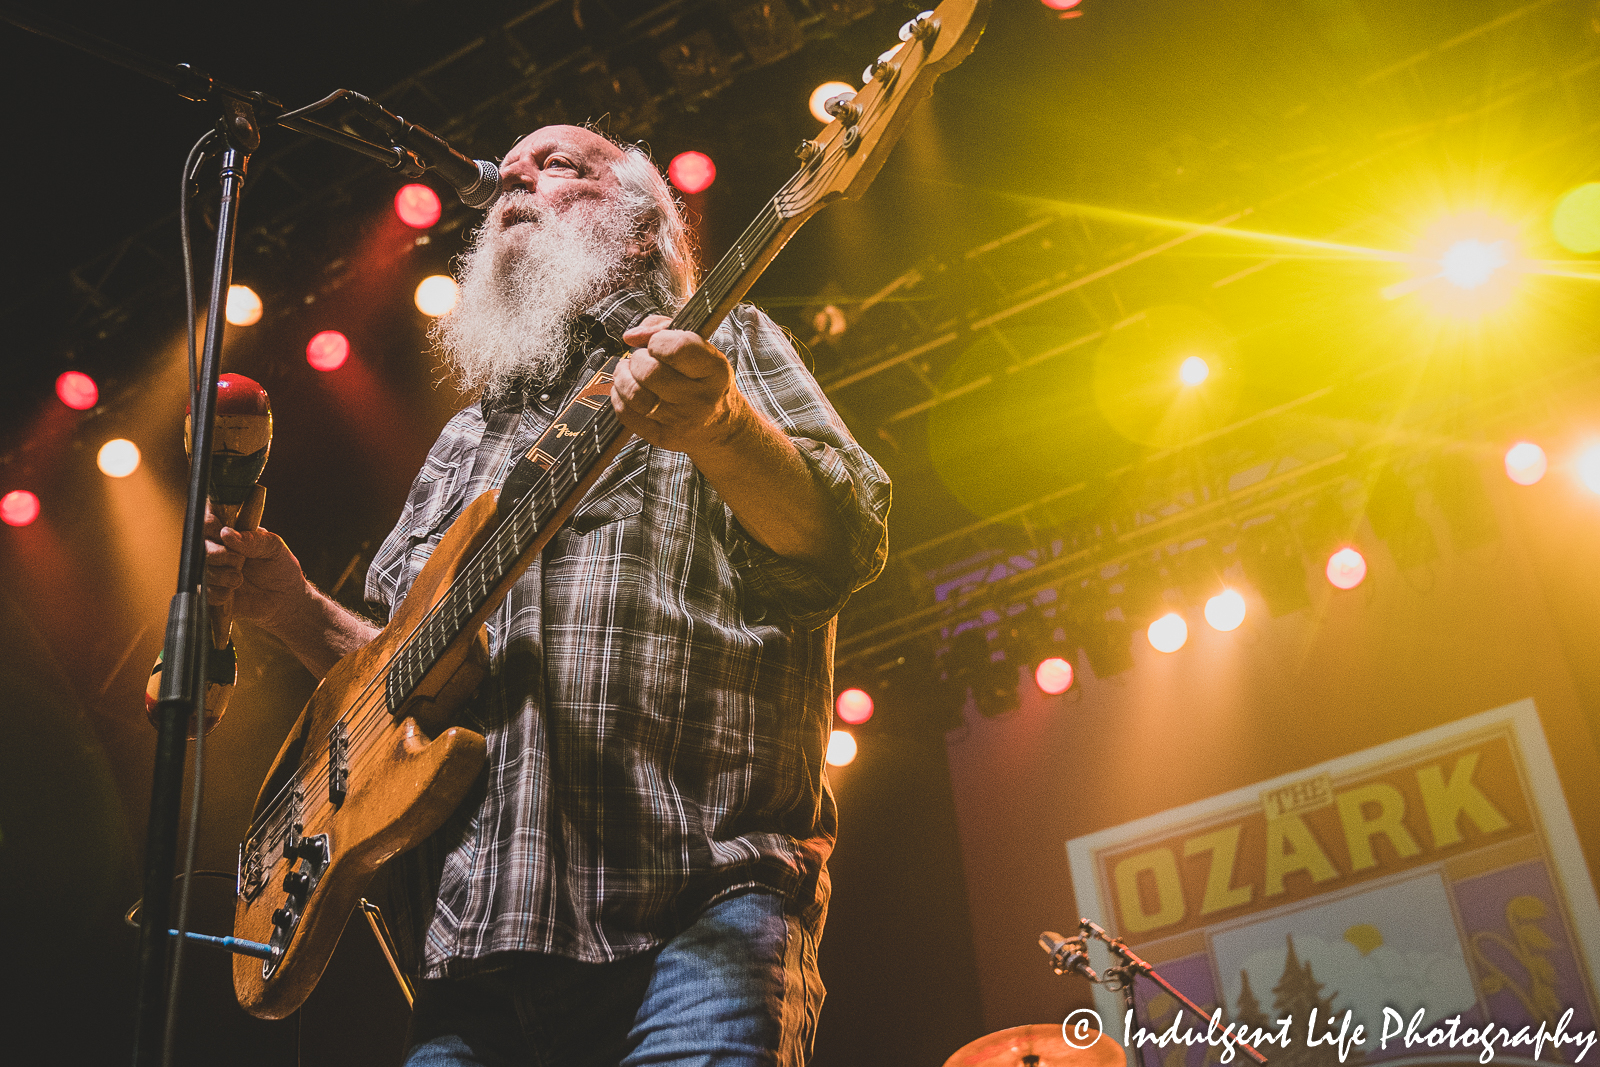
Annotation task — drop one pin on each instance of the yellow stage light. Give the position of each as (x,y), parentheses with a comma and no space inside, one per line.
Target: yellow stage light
(1576,221)
(1194,371)
(244,306)
(1168,633)
(436,295)
(841,748)
(118,458)
(822,93)
(1526,463)
(1470,263)
(1225,611)
(1589,467)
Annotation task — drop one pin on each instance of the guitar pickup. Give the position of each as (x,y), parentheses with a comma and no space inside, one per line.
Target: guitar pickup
(338,763)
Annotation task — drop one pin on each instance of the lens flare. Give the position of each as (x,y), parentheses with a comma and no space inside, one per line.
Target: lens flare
(1346,568)
(118,458)
(1526,463)
(1225,611)
(1194,371)
(854,706)
(841,748)
(1053,676)
(1576,220)
(1169,633)
(1469,264)
(244,306)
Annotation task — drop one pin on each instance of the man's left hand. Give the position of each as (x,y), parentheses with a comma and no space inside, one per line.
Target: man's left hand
(676,390)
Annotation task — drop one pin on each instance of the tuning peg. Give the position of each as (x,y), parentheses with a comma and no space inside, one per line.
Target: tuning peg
(807,151)
(841,108)
(920,26)
(880,65)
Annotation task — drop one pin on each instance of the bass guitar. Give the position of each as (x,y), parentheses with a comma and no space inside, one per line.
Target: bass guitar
(373,765)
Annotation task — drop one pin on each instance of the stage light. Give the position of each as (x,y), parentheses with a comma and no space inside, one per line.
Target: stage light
(77,390)
(1589,467)
(822,94)
(1526,463)
(243,307)
(118,458)
(1346,568)
(328,350)
(436,295)
(1168,633)
(1225,611)
(841,748)
(1470,263)
(1193,371)
(854,706)
(691,172)
(417,205)
(1060,5)
(1053,676)
(1576,221)
(18,508)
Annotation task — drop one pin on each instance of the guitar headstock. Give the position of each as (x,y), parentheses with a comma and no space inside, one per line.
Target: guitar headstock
(842,160)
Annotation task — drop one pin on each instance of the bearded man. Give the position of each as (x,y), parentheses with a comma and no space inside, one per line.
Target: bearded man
(639,876)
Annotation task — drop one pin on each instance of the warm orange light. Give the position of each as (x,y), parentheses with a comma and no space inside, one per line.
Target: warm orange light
(854,706)
(77,390)
(1346,568)
(328,350)
(1225,611)
(1053,676)
(417,205)
(436,295)
(118,458)
(1589,467)
(1168,633)
(841,748)
(691,172)
(18,508)
(244,306)
(1526,463)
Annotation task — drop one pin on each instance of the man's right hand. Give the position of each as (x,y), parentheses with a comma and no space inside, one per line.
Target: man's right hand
(251,574)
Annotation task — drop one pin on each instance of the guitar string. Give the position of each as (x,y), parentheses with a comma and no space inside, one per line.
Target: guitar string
(274,816)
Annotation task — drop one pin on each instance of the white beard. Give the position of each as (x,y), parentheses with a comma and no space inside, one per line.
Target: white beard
(525,278)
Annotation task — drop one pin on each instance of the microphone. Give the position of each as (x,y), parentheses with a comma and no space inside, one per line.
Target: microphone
(476,181)
(1067,954)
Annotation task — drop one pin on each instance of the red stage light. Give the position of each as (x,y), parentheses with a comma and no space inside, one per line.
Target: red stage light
(1053,675)
(18,508)
(328,350)
(77,390)
(1059,5)
(692,172)
(418,206)
(854,706)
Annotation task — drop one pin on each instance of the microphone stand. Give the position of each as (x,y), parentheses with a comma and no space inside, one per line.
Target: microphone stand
(1122,976)
(188,634)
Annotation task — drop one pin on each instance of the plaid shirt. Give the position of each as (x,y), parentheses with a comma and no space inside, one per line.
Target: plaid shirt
(660,693)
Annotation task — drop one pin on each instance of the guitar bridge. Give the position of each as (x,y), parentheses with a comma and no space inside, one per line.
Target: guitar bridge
(338,763)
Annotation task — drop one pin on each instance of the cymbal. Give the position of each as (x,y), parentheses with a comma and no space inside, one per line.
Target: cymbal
(1011,1048)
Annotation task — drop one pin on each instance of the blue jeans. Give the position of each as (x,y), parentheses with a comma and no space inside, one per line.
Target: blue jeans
(739,987)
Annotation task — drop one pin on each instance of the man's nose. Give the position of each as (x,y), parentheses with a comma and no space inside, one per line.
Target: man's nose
(518,173)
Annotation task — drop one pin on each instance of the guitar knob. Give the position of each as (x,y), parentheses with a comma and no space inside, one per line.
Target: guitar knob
(295,883)
(283,917)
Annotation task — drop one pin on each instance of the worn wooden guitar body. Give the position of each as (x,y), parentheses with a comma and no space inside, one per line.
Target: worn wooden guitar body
(411,774)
